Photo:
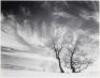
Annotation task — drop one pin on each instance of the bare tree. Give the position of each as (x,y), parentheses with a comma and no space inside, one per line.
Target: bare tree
(81,54)
(55,42)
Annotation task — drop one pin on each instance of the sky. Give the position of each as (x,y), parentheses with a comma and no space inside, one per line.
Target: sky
(70,13)
(40,16)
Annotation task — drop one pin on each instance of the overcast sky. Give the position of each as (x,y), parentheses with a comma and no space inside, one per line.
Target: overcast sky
(75,14)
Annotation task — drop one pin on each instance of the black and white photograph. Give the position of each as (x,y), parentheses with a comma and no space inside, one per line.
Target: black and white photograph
(50,39)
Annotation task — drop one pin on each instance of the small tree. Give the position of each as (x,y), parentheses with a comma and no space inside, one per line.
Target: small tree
(80,55)
(55,42)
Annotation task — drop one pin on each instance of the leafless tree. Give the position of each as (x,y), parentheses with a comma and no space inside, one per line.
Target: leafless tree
(55,42)
(81,54)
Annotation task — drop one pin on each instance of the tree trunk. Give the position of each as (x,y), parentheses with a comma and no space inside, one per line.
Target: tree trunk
(73,69)
(61,69)
(71,64)
(59,61)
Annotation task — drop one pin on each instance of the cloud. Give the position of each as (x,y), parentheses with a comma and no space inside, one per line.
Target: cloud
(33,21)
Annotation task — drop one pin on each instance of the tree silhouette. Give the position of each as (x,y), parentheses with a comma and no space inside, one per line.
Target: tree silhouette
(56,42)
(81,54)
